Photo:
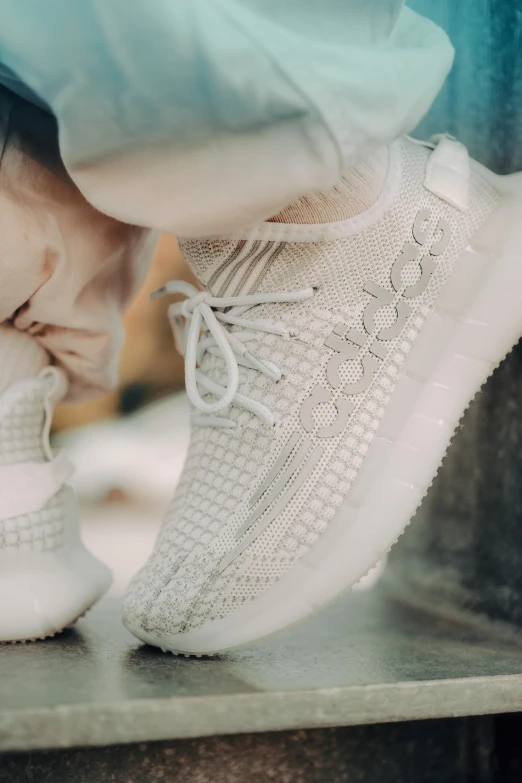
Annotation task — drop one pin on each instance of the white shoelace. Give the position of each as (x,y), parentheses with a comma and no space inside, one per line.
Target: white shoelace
(198,326)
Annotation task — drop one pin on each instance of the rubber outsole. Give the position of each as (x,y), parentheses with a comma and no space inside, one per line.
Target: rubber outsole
(66,627)
(476,322)
(43,593)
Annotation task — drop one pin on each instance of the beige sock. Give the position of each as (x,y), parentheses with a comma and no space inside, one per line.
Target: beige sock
(358,189)
(21,356)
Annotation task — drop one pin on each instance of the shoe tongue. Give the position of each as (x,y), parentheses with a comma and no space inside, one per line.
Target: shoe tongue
(231,267)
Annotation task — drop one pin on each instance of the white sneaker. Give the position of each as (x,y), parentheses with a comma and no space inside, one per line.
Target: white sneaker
(335,362)
(47,578)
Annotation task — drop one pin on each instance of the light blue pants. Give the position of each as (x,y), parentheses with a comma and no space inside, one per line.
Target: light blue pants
(200,116)
(192,116)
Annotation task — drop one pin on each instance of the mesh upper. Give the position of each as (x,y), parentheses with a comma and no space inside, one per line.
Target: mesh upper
(21,421)
(181,587)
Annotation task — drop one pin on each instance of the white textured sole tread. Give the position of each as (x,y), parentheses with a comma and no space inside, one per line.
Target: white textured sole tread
(66,627)
(43,593)
(475,324)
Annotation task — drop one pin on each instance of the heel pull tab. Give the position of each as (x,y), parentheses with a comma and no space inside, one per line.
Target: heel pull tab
(448,171)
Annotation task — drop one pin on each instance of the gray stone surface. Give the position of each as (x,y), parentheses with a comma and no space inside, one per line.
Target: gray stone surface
(463,553)
(447,751)
(363,660)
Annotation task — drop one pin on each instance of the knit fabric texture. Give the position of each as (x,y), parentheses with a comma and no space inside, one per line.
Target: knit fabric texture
(358,189)
(182,586)
(21,421)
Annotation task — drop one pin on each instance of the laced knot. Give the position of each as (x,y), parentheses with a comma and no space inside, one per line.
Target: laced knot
(199,325)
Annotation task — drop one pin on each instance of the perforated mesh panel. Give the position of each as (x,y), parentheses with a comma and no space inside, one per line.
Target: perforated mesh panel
(21,420)
(21,417)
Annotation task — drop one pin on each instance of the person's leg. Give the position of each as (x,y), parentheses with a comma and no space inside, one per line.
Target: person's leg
(201,116)
(66,271)
(315,433)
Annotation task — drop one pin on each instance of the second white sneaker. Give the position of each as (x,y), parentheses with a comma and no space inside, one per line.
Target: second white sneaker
(328,367)
(47,577)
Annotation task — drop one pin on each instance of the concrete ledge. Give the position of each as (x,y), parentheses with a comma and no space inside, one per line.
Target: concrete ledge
(363,660)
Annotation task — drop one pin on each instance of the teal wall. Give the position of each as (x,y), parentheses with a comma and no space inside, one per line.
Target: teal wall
(481,102)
